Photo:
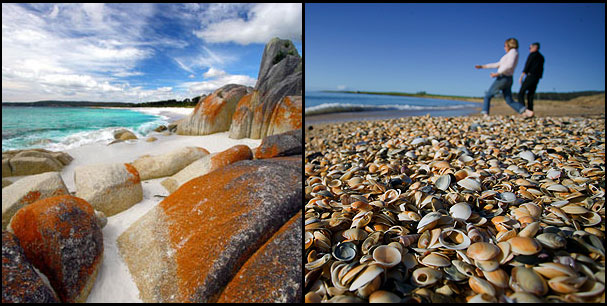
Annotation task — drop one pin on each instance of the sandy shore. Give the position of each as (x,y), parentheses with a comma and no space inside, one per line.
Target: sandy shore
(114,282)
(591,106)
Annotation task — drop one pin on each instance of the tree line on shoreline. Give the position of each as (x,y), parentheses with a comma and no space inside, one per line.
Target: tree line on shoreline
(163,103)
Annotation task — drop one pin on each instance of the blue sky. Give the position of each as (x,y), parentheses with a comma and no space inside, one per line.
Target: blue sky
(136,52)
(434,47)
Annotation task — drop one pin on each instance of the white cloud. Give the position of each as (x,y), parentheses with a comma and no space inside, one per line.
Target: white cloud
(264,21)
(341,87)
(213,73)
(216,78)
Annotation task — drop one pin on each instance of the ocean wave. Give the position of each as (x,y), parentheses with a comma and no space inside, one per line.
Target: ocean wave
(326,108)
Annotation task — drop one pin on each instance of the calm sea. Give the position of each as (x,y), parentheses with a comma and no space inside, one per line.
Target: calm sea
(61,128)
(326,102)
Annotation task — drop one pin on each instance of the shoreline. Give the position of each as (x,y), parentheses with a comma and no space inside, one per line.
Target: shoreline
(588,107)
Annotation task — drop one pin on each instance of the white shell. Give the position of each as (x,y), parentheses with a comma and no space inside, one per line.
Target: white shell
(527,155)
(427,219)
(460,211)
(506,197)
(470,184)
(553,174)
(443,182)
(366,276)
(558,188)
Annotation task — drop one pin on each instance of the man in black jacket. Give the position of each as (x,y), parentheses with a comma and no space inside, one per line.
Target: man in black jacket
(534,69)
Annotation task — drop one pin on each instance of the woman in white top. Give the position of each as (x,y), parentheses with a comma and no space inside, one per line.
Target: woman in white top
(505,70)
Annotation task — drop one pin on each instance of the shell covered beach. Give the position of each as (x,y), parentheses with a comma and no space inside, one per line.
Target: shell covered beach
(455,209)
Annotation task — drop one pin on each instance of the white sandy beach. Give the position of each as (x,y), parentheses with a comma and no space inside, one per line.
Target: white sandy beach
(114,283)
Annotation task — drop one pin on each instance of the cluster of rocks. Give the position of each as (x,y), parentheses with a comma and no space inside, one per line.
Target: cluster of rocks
(32,161)
(229,214)
(273,106)
(236,229)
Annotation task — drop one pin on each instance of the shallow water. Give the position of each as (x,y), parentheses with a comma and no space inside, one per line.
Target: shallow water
(61,128)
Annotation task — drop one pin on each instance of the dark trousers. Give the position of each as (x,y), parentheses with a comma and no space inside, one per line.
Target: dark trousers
(529,85)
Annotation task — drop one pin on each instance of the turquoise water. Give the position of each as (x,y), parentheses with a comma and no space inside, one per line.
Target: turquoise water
(60,128)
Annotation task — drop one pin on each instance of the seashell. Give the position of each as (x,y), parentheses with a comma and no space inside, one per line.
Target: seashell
(566,284)
(409,260)
(553,174)
(524,246)
(470,184)
(557,188)
(590,219)
(426,276)
(344,251)
(523,182)
(371,241)
(553,269)
(321,241)
(461,246)
(355,234)
(482,298)
(530,230)
(498,277)
(441,164)
(551,240)
(463,267)
(452,274)
(309,239)
(387,256)
(524,297)
(349,272)
(382,296)
(390,196)
(366,290)
(345,299)
(436,260)
(505,254)
(482,251)
(428,221)
(443,182)
(527,155)
(527,280)
(481,286)
(366,276)
(460,211)
(534,210)
(319,263)
(574,209)
(418,141)
(408,240)
(487,265)
(506,197)
(596,289)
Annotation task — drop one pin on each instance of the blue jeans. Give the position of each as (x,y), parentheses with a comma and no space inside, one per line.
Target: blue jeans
(503,83)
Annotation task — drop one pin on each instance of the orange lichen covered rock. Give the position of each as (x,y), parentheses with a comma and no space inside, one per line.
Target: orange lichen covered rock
(61,238)
(273,274)
(279,76)
(110,188)
(287,115)
(28,190)
(213,113)
(207,164)
(207,229)
(287,143)
(20,282)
